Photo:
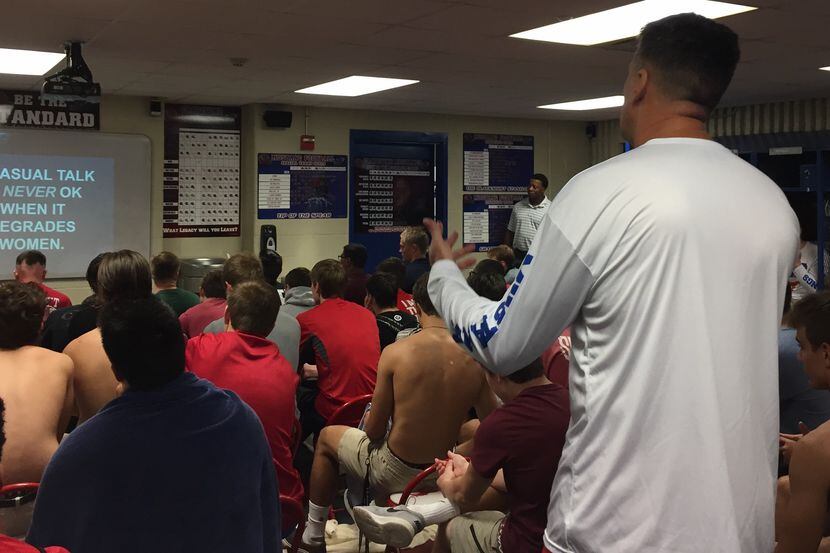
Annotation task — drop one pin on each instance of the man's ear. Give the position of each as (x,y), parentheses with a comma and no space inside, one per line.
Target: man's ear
(227,319)
(44,274)
(640,84)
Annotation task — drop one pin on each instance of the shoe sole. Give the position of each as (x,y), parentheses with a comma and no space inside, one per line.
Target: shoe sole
(387,530)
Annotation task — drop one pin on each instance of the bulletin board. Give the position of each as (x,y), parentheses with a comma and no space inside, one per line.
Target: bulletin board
(485,219)
(301,186)
(497,162)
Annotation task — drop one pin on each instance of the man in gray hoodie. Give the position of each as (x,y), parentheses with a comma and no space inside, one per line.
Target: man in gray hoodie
(298,296)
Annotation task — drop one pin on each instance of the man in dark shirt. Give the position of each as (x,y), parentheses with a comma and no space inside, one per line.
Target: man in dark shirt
(513,452)
(271,267)
(395,266)
(165,268)
(381,299)
(68,323)
(353,259)
(414,245)
(174,464)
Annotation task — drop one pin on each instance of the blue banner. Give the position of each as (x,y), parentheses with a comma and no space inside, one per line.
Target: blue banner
(497,162)
(301,186)
(486,217)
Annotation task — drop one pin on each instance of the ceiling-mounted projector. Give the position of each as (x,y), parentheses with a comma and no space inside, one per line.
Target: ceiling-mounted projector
(74,82)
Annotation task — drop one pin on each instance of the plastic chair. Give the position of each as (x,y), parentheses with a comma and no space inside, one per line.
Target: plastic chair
(350,413)
(16,506)
(293,515)
(409,492)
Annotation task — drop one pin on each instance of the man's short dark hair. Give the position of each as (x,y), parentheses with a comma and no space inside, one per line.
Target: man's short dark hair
(213,285)
(271,265)
(693,57)
(330,276)
(124,275)
(143,341)
(534,370)
(357,254)
(384,290)
(298,277)
(31,257)
(542,179)
(393,266)
(165,267)
(253,308)
(813,315)
(504,254)
(488,285)
(92,271)
(416,236)
(242,267)
(421,295)
(21,313)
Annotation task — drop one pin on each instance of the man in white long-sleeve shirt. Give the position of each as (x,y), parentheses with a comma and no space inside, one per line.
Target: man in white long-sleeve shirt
(669,263)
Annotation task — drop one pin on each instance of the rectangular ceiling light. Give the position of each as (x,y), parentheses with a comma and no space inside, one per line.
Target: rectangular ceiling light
(585,105)
(355,86)
(825,68)
(27,62)
(626,21)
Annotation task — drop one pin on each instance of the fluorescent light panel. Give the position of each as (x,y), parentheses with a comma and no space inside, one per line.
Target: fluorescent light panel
(585,105)
(27,62)
(626,21)
(825,68)
(356,86)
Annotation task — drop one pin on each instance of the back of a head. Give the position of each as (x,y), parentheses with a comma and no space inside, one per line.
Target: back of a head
(416,236)
(242,267)
(21,314)
(298,277)
(813,315)
(691,58)
(30,266)
(124,275)
(420,294)
(531,372)
(92,272)
(357,254)
(143,341)
(253,308)
(503,254)
(489,284)
(165,267)
(384,290)
(330,276)
(271,265)
(213,285)
(393,266)
(31,257)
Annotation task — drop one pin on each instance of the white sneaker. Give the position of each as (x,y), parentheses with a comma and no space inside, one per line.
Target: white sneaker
(395,526)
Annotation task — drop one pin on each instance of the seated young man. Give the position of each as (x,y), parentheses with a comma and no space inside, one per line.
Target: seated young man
(122,275)
(395,266)
(513,451)
(68,323)
(165,267)
(212,294)
(487,280)
(29,267)
(244,267)
(381,299)
(427,384)
(507,259)
(803,510)
(271,268)
(246,362)
(172,464)
(298,296)
(342,338)
(35,382)
(9,544)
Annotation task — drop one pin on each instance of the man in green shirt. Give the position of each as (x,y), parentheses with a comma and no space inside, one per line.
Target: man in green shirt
(165,268)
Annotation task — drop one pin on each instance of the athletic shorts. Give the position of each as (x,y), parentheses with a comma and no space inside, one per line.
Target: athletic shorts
(387,473)
(476,532)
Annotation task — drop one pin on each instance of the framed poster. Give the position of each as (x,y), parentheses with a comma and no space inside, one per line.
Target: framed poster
(486,217)
(301,186)
(497,162)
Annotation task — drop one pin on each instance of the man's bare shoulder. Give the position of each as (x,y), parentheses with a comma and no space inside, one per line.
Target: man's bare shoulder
(83,342)
(40,361)
(817,443)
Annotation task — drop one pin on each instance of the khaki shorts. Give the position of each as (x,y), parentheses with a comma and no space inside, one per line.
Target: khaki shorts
(387,473)
(476,532)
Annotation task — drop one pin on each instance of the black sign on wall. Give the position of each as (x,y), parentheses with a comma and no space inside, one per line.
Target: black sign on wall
(20,108)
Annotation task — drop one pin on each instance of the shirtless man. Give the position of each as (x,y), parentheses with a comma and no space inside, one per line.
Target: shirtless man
(427,385)
(123,275)
(35,382)
(803,509)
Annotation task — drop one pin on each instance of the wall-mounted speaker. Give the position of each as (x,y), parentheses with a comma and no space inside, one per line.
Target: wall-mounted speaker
(267,238)
(277,119)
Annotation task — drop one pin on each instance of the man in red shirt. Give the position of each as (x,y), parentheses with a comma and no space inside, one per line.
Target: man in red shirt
(395,267)
(343,339)
(243,360)
(30,266)
(513,452)
(212,306)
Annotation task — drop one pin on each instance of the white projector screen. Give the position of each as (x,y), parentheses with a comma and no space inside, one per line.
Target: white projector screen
(72,195)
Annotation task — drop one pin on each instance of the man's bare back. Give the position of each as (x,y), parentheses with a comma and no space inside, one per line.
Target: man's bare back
(434,384)
(36,386)
(95,383)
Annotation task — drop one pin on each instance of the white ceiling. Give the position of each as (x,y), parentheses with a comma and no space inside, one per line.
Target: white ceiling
(459,49)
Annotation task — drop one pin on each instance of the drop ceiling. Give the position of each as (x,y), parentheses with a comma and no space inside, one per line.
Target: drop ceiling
(180,50)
